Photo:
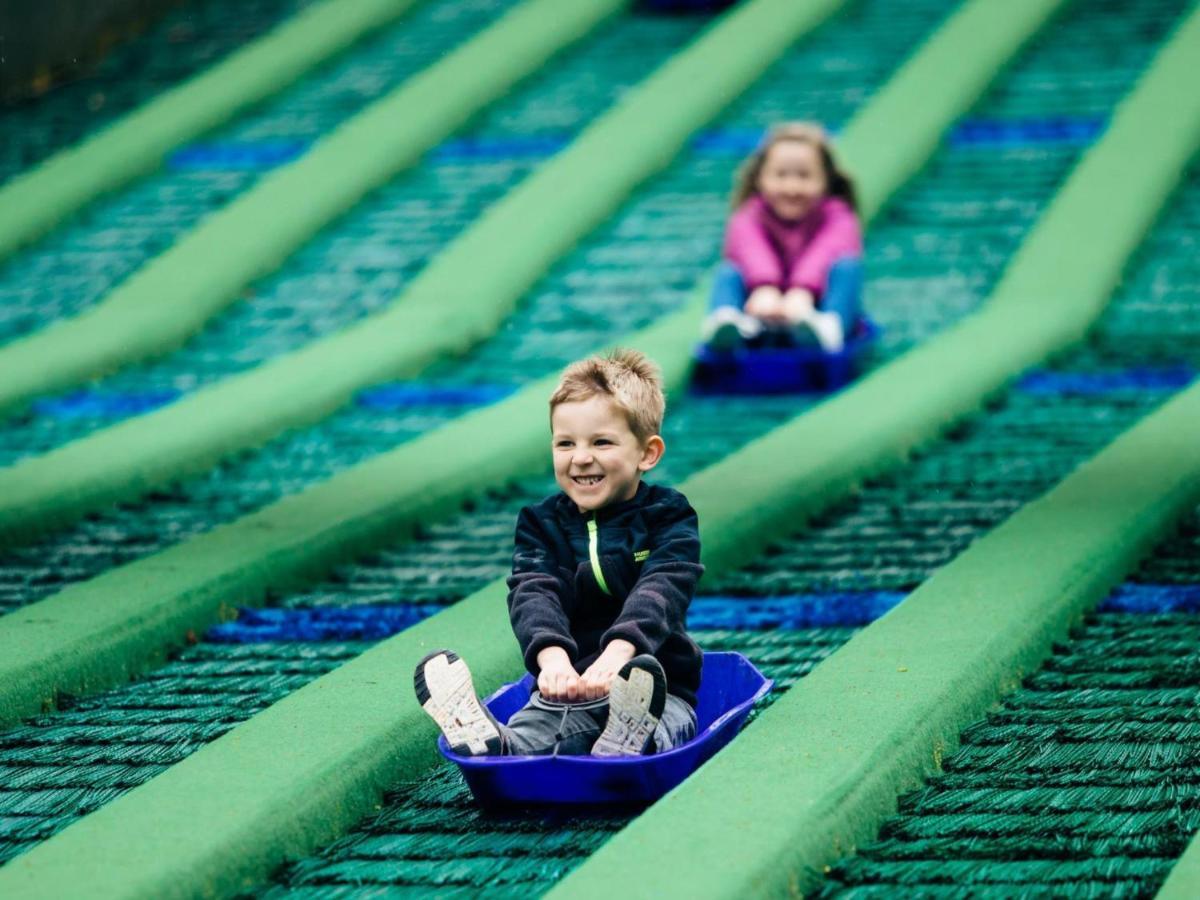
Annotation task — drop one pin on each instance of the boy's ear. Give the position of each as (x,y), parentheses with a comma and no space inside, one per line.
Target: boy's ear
(652,452)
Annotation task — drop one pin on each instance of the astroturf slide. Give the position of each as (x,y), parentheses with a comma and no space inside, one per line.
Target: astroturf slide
(285,209)
(76,266)
(880,714)
(169,50)
(885,709)
(794,603)
(302,536)
(36,201)
(208,689)
(1082,784)
(542,218)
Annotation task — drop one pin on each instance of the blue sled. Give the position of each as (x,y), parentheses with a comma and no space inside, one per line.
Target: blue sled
(782,369)
(729,687)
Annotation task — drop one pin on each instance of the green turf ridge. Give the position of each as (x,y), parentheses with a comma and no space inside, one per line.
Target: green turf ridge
(281,798)
(506,251)
(34,202)
(99,632)
(169,298)
(823,767)
(1184,881)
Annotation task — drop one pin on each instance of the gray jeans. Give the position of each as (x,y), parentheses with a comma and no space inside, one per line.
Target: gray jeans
(542,727)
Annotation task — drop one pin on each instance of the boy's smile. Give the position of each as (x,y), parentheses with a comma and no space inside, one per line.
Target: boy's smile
(598,460)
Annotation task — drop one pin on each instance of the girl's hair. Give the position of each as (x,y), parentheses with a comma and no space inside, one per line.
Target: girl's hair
(745,183)
(628,378)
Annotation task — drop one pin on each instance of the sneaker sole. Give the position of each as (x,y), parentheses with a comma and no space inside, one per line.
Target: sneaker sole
(445,691)
(635,706)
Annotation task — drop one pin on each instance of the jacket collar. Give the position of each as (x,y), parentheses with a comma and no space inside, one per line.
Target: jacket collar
(605,512)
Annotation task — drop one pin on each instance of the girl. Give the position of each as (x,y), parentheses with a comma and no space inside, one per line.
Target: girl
(793,246)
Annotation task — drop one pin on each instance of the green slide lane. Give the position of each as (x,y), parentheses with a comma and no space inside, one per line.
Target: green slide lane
(94,633)
(35,202)
(881,714)
(356,770)
(175,47)
(1080,784)
(506,251)
(255,233)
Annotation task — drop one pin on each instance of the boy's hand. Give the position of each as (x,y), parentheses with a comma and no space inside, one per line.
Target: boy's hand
(597,679)
(557,679)
(765,303)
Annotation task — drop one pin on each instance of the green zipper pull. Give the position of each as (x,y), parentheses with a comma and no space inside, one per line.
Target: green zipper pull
(594,553)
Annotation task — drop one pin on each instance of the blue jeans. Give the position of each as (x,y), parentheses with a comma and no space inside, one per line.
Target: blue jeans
(543,727)
(843,293)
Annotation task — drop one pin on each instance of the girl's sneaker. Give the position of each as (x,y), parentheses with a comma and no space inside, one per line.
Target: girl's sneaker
(636,702)
(445,691)
(821,329)
(727,329)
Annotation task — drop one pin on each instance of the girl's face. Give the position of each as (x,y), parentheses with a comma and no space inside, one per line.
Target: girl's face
(792,179)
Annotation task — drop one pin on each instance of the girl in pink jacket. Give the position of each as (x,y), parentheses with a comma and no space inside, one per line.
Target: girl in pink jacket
(793,247)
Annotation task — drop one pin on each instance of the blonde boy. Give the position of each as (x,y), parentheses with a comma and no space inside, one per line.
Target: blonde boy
(603,573)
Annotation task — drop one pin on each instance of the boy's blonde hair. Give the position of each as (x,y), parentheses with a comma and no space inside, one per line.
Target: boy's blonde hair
(628,377)
(745,182)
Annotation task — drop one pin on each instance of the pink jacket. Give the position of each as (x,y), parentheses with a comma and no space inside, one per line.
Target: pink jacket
(768,250)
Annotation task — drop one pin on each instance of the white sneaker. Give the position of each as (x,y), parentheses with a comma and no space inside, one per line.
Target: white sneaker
(727,328)
(823,329)
(636,701)
(444,689)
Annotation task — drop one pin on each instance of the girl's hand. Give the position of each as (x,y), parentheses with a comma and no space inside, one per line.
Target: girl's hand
(765,303)
(598,678)
(798,304)
(557,679)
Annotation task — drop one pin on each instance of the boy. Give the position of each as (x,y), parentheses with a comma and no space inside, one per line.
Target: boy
(603,573)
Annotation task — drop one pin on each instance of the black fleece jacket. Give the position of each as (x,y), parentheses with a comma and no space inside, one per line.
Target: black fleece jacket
(648,550)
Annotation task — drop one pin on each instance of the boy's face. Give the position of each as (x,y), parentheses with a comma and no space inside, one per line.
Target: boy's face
(597,458)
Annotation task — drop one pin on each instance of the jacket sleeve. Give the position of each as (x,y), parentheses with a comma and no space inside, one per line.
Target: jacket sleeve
(536,593)
(749,248)
(658,603)
(839,236)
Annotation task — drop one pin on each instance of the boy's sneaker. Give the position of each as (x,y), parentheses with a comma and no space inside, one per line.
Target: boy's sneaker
(727,329)
(635,704)
(445,691)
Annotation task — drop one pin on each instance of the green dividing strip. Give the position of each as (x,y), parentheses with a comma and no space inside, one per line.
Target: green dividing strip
(822,768)
(1184,881)
(298,774)
(35,202)
(173,295)
(506,251)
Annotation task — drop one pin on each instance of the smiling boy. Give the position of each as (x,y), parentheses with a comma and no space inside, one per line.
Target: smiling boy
(603,573)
